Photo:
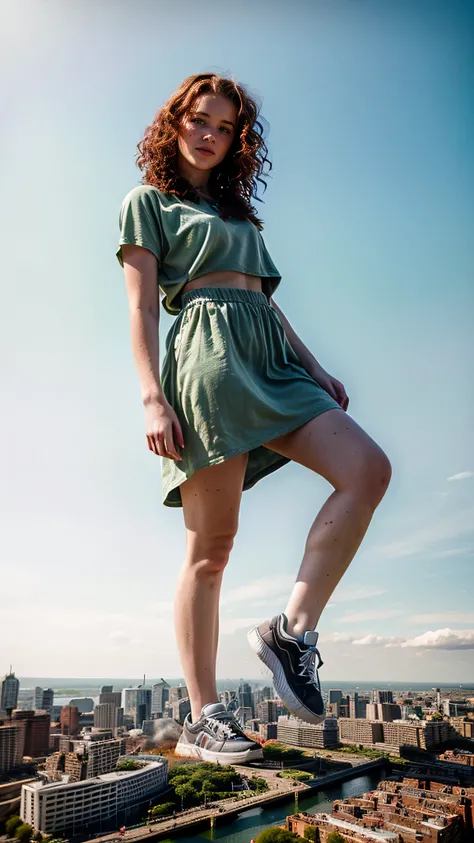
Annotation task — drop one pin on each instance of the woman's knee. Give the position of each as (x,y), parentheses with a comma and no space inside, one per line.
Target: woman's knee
(209,554)
(372,477)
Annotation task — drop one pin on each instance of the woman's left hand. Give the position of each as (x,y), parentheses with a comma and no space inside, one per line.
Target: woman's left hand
(332,386)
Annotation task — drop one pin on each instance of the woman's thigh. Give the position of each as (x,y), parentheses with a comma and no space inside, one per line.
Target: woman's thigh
(336,447)
(211,498)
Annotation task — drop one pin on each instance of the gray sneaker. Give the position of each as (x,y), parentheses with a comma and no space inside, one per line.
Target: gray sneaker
(217,736)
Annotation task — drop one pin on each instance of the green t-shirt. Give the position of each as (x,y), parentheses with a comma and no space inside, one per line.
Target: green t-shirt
(190,240)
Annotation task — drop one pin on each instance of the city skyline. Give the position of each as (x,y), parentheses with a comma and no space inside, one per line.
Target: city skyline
(368,215)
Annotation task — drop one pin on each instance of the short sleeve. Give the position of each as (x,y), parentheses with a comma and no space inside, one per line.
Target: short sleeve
(140,222)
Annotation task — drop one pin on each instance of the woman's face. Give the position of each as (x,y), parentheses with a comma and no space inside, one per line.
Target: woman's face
(210,124)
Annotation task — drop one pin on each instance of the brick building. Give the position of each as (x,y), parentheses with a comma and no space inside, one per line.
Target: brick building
(37,726)
(69,720)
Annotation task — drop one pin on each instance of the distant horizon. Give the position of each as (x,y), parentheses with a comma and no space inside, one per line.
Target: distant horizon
(39,680)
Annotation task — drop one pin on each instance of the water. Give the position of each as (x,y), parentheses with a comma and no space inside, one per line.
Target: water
(250,823)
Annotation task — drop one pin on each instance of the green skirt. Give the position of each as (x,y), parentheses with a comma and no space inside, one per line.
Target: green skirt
(235,383)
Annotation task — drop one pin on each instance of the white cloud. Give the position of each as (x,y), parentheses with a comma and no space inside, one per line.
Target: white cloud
(378,641)
(463,475)
(443,639)
(440,639)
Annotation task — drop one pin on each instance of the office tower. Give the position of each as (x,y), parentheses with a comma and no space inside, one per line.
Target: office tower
(244,695)
(48,700)
(334,701)
(178,692)
(357,705)
(267,710)
(243,713)
(229,699)
(382,696)
(9,692)
(159,696)
(69,720)
(38,706)
(137,703)
(181,709)
(106,689)
(107,716)
(37,727)
(114,697)
(12,743)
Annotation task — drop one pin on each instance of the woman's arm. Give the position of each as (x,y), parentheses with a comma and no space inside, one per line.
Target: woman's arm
(309,362)
(141,276)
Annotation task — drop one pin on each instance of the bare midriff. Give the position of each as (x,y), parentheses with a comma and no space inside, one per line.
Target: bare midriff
(226,278)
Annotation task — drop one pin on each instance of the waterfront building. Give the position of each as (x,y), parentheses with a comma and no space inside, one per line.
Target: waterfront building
(395,812)
(293,731)
(106,689)
(359,731)
(68,808)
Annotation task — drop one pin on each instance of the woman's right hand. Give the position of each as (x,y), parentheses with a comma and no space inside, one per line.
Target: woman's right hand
(163,430)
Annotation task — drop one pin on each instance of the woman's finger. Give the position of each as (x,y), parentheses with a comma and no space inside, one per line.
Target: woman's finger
(170,447)
(160,445)
(151,444)
(178,433)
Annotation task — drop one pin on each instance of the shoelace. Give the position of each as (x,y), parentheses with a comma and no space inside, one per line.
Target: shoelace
(308,665)
(230,729)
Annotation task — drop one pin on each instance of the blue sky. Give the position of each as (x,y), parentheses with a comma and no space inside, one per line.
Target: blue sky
(368,215)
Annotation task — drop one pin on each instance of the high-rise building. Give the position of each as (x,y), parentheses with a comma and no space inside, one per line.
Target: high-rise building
(267,711)
(229,699)
(84,705)
(12,743)
(181,709)
(9,688)
(106,689)
(382,696)
(383,711)
(244,695)
(37,726)
(114,697)
(69,720)
(47,700)
(357,705)
(108,716)
(178,692)
(26,699)
(335,695)
(159,696)
(137,703)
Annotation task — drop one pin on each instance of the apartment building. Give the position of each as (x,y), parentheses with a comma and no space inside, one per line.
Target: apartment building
(291,730)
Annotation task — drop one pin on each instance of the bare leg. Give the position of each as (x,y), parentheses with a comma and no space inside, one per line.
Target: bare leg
(334,446)
(211,503)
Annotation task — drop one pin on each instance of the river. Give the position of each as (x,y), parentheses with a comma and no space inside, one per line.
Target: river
(252,822)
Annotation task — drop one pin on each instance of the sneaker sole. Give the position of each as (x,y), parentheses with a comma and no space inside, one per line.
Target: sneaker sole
(288,698)
(189,750)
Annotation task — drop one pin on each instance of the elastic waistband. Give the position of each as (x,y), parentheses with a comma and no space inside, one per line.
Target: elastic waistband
(224,294)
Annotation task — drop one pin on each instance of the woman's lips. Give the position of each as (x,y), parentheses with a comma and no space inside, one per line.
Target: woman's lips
(205,151)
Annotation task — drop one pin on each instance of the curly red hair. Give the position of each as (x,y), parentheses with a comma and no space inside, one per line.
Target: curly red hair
(233,183)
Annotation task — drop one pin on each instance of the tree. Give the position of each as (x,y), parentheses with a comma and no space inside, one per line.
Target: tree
(23,833)
(335,837)
(312,833)
(12,824)
(277,835)
(163,810)
(186,792)
(37,836)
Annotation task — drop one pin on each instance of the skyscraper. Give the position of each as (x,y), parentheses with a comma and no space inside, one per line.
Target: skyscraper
(9,692)
(245,696)
(48,700)
(159,696)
